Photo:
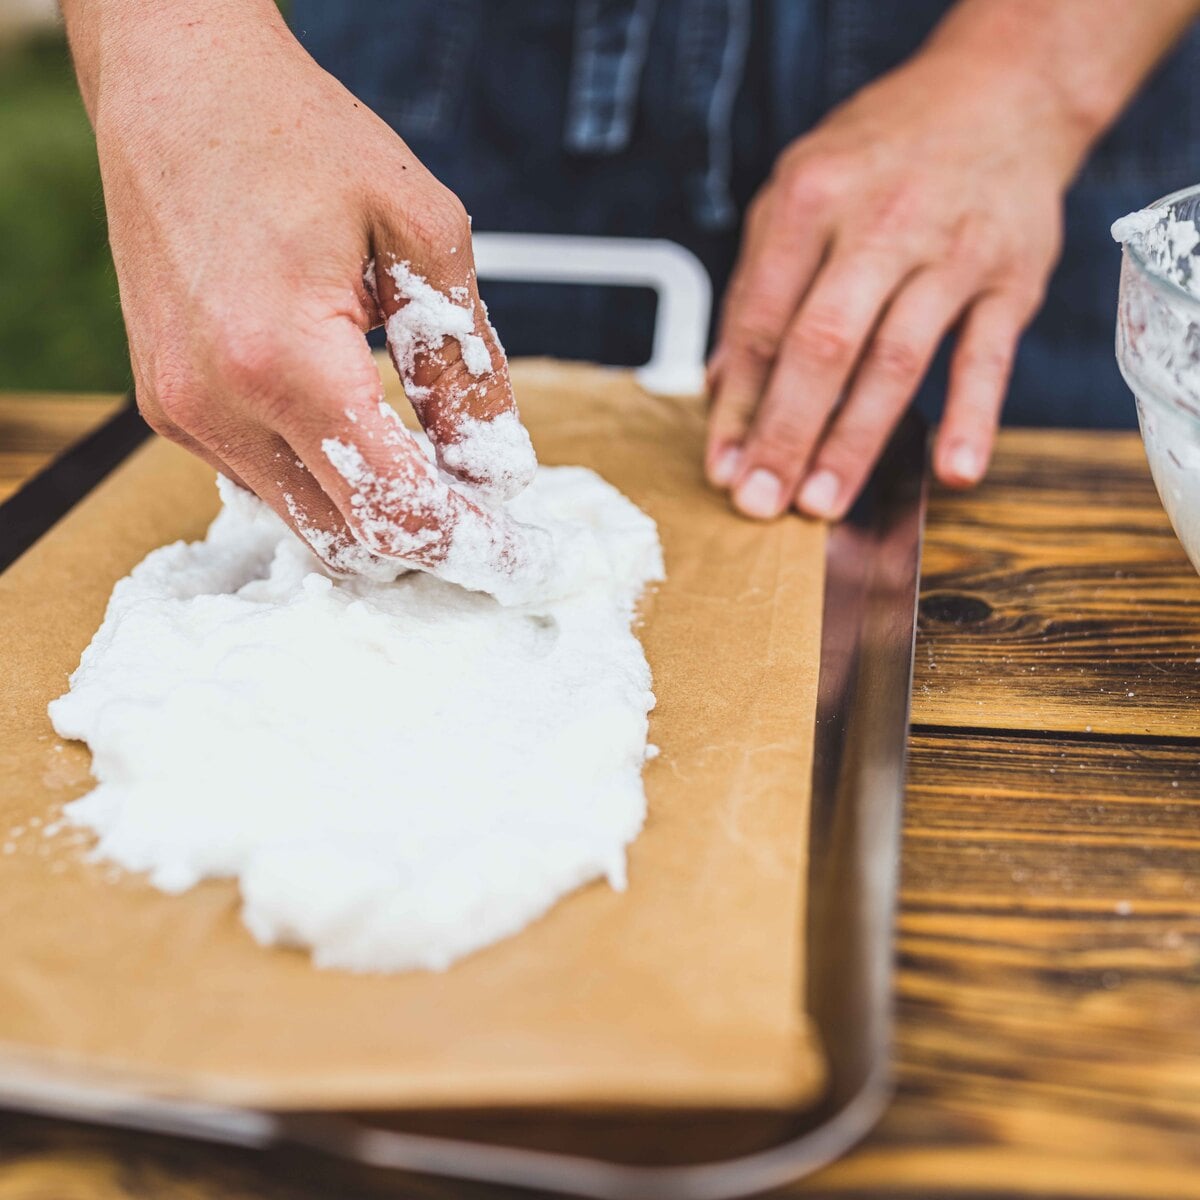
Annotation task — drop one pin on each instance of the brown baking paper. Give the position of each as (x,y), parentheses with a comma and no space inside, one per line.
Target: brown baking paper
(684,990)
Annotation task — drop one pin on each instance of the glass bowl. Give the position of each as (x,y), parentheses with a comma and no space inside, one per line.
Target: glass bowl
(1158,351)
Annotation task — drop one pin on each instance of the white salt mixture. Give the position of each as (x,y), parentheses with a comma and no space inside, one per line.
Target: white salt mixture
(396,773)
(1164,242)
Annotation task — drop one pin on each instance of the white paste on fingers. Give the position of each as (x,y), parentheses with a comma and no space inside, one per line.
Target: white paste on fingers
(493,454)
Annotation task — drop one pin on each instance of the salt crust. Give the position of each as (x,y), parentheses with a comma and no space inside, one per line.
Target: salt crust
(424,322)
(396,774)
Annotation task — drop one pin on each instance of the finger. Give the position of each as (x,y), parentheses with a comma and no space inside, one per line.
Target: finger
(815,361)
(785,228)
(260,461)
(271,469)
(368,295)
(399,506)
(979,374)
(158,421)
(753,229)
(712,372)
(455,372)
(893,365)
(774,272)
(386,489)
(257,461)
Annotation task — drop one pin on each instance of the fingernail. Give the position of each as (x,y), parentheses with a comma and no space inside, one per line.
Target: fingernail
(819,496)
(964,463)
(759,495)
(725,466)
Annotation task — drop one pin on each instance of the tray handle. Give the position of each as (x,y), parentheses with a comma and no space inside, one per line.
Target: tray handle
(677,276)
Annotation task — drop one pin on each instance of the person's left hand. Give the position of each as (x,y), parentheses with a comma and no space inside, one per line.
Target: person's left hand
(932,200)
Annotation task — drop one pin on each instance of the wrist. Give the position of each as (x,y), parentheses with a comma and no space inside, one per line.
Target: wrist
(131,48)
(1010,69)
(1071,65)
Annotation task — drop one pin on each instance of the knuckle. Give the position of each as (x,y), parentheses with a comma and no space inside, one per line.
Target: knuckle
(735,403)
(376,524)
(986,364)
(809,188)
(446,222)
(1028,294)
(398,533)
(247,357)
(756,210)
(447,374)
(452,392)
(373,535)
(754,333)
(899,207)
(896,359)
(787,435)
(811,183)
(977,244)
(850,458)
(170,407)
(155,415)
(274,408)
(854,450)
(822,339)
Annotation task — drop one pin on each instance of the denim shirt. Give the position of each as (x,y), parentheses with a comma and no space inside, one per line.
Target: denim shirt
(661,118)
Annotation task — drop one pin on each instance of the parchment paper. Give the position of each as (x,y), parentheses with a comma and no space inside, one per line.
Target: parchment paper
(684,990)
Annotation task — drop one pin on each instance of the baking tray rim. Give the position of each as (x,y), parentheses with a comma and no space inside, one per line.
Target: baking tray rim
(871,590)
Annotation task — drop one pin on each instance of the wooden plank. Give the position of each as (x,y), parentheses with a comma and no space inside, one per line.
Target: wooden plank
(35,427)
(1056,597)
(1049,942)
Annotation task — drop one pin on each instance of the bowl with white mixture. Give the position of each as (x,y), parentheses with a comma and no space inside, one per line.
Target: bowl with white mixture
(1158,348)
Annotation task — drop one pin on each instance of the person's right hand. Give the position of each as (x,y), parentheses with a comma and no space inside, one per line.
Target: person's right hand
(246,192)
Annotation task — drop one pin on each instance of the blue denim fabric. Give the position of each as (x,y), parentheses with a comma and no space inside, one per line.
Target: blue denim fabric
(611,40)
(660,118)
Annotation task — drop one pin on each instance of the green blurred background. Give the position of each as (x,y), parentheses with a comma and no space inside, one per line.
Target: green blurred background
(60,322)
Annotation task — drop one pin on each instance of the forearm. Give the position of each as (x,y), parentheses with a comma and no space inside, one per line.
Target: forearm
(141,43)
(1087,58)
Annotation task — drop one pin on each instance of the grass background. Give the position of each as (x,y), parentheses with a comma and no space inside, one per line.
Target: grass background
(60,322)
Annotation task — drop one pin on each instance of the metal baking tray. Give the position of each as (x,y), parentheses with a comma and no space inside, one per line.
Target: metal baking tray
(857,790)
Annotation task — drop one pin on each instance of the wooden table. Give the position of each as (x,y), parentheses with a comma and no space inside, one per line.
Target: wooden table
(1049,937)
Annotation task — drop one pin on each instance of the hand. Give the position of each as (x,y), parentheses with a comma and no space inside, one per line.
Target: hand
(931,201)
(246,192)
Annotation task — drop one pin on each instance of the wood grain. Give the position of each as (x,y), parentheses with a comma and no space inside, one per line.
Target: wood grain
(36,427)
(1056,596)
(1049,936)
